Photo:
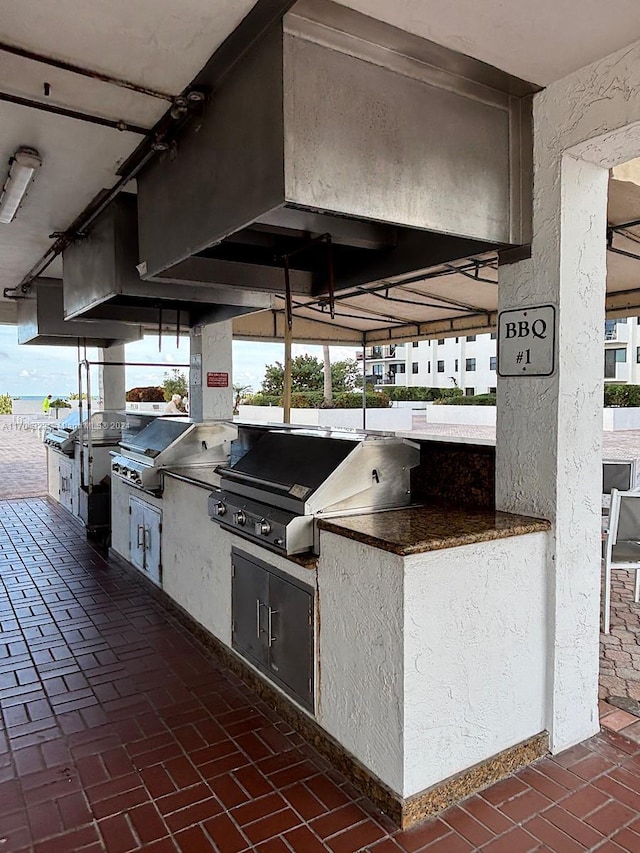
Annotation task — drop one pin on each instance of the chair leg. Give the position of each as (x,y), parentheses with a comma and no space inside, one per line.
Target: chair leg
(607,598)
(636,591)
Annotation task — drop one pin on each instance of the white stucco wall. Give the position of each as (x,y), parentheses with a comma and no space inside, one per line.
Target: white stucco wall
(361,657)
(53,474)
(474,654)
(383,419)
(196,558)
(549,429)
(620,419)
(434,662)
(465,415)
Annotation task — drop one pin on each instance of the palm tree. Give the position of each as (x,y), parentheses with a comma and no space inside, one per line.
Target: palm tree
(240,391)
(328,385)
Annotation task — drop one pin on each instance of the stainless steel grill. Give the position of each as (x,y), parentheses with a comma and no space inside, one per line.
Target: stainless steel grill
(171,442)
(106,428)
(275,491)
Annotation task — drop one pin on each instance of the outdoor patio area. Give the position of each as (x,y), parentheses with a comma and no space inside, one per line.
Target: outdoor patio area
(121,732)
(23,460)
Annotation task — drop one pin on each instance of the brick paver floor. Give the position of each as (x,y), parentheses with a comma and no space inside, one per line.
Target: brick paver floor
(120,732)
(23,461)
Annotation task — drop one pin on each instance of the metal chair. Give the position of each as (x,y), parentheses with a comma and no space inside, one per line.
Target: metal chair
(622,544)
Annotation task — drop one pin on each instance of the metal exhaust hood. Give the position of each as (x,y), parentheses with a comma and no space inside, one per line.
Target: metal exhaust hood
(102,281)
(331,123)
(40,320)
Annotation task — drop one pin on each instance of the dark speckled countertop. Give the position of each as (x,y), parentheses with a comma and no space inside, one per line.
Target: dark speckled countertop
(414,530)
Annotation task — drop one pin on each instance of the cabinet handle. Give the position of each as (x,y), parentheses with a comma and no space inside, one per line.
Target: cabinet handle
(270,614)
(147,538)
(259,629)
(140,543)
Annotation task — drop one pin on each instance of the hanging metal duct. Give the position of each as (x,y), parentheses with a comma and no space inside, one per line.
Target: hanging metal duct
(101,280)
(40,319)
(407,154)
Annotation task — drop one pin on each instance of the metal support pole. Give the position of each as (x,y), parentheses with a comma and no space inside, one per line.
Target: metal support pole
(364,383)
(286,395)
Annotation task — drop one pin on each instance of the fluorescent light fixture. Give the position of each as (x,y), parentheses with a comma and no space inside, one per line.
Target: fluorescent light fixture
(23,167)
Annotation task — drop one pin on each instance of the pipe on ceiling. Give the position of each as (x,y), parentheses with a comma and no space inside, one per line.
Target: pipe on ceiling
(116,124)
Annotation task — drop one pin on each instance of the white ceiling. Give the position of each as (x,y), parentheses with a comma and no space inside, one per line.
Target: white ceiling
(163,45)
(153,43)
(539,41)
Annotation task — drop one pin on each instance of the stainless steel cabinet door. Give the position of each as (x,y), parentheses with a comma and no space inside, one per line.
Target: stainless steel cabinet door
(136,532)
(67,484)
(152,541)
(290,637)
(250,592)
(273,625)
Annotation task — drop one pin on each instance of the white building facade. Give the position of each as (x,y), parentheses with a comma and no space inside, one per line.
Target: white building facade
(470,362)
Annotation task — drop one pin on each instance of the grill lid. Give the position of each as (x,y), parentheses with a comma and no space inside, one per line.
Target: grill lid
(292,463)
(156,437)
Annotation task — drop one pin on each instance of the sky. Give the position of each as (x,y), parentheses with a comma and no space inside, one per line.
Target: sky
(38,370)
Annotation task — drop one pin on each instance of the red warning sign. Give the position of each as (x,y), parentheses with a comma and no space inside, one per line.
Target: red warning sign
(217,380)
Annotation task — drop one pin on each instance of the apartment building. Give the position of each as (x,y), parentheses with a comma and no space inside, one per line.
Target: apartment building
(470,362)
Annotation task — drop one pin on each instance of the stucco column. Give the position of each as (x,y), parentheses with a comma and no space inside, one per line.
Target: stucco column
(211,356)
(549,429)
(112,378)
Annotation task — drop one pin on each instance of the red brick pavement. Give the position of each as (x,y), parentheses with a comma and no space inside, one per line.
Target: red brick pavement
(121,733)
(23,462)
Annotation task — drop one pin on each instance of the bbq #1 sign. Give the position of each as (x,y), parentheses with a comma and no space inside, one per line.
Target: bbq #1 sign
(527,341)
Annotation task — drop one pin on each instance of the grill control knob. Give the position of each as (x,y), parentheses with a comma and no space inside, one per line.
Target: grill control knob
(240,518)
(220,508)
(116,467)
(262,527)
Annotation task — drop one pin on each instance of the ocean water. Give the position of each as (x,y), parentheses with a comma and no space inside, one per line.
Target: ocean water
(41,396)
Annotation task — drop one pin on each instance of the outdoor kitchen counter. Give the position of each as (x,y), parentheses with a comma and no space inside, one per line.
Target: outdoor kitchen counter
(417,529)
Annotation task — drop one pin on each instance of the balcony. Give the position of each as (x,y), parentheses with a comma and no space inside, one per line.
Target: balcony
(616,331)
(391,351)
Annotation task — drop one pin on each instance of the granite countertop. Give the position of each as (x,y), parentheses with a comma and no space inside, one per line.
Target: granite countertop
(307,561)
(416,529)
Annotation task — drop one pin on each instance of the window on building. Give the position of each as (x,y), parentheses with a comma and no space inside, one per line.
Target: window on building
(470,364)
(471,338)
(428,367)
(415,344)
(493,362)
(400,368)
(377,370)
(457,340)
(440,341)
(492,389)
(494,336)
(456,365)
(637,355)
(469,392)
(414,367)
(441,367)
(618,355)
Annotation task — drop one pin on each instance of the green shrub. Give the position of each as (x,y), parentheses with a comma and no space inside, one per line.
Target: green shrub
(59,404)
(315,400)
(477,400)
(420,393)
(622,396)
(353,400)
(261,399)
(6,407)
